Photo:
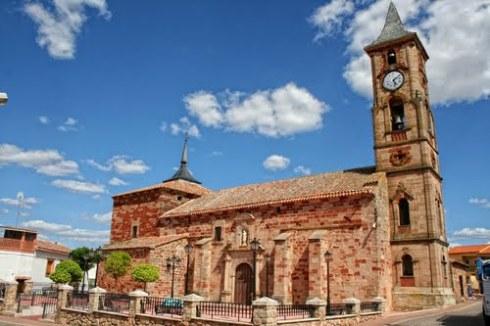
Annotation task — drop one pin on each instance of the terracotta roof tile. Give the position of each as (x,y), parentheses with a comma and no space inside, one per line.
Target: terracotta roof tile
(470,249)
(48,246)
(343,183)
(146,242)
(179,185)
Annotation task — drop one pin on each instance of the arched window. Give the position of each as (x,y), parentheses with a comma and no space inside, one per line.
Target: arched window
(397,115)
(404,211)
(391,57)
(407,265)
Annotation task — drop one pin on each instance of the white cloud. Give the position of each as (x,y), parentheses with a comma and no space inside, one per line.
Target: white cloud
(67,231)
(79,186)
(473,233)
(121,164)
(216,153)
(117,182)
(61,22)
(276,162)
(483,202)
(4,211)
(163,126)
(49,162)
(329,17)
(44,120)
(70,124)
(184,126)
(283,111)
(300,169)
(20,200)
(452,32)
(102,218)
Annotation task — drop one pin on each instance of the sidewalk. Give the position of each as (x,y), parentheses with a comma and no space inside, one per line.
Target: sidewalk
(14,321)
(393,317)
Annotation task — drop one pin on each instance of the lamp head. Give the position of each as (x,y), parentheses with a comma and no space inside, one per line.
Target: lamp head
(3,98)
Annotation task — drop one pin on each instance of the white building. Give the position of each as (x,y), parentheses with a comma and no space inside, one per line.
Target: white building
(26,259)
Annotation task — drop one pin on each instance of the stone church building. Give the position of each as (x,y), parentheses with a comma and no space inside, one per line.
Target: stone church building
(382,226)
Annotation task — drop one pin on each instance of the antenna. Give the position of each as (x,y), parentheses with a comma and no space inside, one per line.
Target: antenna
(20,205)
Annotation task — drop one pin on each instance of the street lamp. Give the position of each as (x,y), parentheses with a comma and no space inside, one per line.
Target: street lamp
(3,98)
(254,245)
(171,262)
(267,265)
(98,255)
(328,257)
(188,250)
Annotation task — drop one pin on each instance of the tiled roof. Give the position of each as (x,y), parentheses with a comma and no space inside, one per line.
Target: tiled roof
(393,28)
(47,246)
(325,185)
(146,242)
(470,250)
(179,185)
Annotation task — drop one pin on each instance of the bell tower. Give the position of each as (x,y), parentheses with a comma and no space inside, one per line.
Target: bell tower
(406,150)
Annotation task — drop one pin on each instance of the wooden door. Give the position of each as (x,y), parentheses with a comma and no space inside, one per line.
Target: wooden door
(243,284)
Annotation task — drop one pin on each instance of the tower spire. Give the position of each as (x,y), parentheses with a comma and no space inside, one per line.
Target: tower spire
(393,27)
(183,172)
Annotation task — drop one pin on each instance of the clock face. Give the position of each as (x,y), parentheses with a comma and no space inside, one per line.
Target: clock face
(393,80)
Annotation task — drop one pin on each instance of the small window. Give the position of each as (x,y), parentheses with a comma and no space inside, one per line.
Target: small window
(49,266)
(134,231)
(407,265)
(391,57)
(397,115)
(404,210)
(179,198)
(217,233)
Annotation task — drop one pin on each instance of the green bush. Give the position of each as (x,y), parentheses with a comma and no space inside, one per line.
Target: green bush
(60,276)
(117,264)
(145,273)
(71,268)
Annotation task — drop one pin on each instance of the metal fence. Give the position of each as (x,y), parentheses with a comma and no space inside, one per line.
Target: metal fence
(50,306)
(369,306)
(225,311)
(337,309)
(295,311)
(161,306)
(3,288)
(77,300)
(114,302)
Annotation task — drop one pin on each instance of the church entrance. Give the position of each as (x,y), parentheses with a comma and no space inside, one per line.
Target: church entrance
(243,284)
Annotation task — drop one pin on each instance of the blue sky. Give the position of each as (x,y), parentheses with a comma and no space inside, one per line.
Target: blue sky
(100,93)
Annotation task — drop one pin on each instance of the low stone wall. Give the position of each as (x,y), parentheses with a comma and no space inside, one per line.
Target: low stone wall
(146,320)
(343,320)
(71,317)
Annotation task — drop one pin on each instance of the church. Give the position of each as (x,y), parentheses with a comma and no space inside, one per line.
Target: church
(367,232)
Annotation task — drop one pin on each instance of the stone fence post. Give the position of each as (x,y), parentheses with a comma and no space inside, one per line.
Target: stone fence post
(135,298)
(353,305)
(10,298)
(191,302)
(63,290)
(320,307)
(381,304)
(93,298)
(265,312)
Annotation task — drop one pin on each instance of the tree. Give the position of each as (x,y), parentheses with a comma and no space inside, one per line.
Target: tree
(67,271)
(117,264)
(86,259)
(60,276)
(145,273)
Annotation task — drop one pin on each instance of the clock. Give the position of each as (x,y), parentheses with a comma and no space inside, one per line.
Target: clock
(393,80)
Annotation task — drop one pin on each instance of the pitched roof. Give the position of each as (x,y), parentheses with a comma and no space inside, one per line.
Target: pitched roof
(179,185)
(470,250)
(393,28)
(146,242)
(343,183)
(48,246)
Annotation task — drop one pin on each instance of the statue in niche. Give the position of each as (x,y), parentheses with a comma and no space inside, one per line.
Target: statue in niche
(243,238)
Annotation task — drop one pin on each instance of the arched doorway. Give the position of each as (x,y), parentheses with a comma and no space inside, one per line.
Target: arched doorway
(243,284)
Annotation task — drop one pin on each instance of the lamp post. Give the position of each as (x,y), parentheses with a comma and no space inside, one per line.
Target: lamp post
(3,98)
(188,250)
(254,245)
(328,257)
(98,258)
(267,265)
(171,262)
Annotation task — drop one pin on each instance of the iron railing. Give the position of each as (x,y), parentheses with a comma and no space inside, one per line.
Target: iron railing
(3,288)
(161,306)
(369,306)
(295,311)
(114,302)
(337,309)
(50,306)
(224,311)
(77,300)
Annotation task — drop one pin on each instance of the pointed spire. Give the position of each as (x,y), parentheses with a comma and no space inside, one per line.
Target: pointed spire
(183,172)
(393,28)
